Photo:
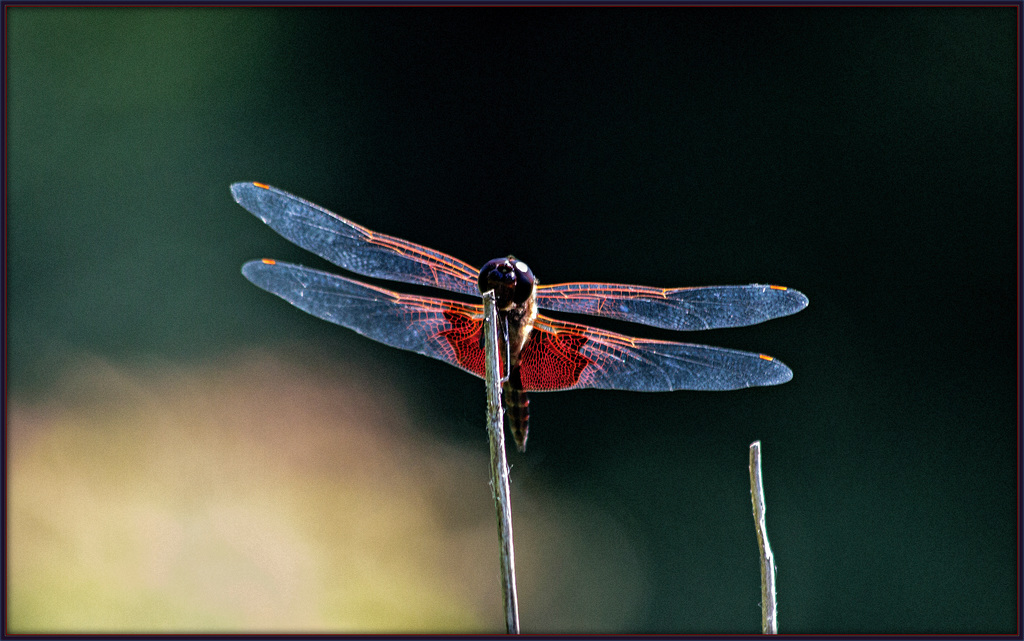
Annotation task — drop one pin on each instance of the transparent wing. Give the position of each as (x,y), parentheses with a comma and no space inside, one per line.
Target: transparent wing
(442,329)
(684,308)
(562,355)
(351,246)
(558,356)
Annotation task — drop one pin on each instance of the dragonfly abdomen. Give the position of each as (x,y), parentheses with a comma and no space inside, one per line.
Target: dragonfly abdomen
(517,407)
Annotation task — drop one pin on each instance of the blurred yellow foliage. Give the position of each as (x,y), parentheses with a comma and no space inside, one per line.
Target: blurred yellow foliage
(261,495)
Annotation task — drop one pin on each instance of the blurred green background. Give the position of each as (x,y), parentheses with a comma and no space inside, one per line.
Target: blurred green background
(182,444)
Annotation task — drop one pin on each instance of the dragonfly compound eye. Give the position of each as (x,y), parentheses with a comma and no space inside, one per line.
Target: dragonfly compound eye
(499,275)
(525,281)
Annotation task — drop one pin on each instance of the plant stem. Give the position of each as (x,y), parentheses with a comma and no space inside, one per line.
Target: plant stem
(499,466)
(769,613)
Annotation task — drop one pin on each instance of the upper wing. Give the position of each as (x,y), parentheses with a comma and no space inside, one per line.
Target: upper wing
(446,330)
(351,246)
(562,355)
(683,308)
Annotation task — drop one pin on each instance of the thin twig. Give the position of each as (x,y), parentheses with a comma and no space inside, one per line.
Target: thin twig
(769,613)
(499,466)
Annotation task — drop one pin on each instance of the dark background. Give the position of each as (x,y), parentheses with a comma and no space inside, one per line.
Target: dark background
(865,156)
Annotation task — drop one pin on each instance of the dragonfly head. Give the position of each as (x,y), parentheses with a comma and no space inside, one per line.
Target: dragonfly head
(511,279)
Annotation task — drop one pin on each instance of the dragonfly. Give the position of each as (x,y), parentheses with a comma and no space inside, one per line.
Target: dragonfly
(539,353)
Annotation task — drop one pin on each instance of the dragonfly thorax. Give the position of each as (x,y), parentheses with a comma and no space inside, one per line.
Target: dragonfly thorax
(511,280)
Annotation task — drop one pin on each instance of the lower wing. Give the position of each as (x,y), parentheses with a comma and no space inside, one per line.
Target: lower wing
(443,329)
(558,356)
(562,355)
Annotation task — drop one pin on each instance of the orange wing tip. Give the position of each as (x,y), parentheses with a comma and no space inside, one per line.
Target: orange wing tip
(261,185)
(766,357)
(271,261)
(778,287)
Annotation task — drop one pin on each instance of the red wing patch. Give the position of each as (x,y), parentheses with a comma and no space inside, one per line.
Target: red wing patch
(465,338)
(552,360)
